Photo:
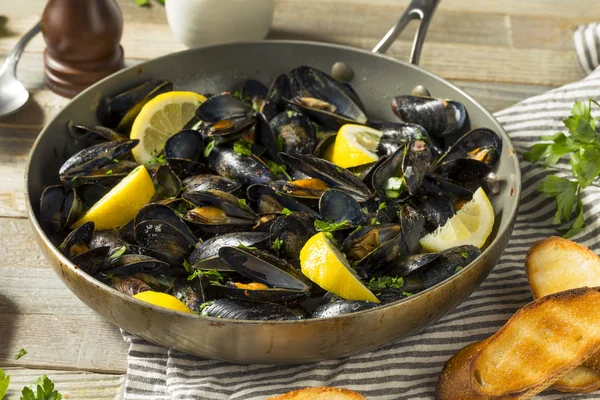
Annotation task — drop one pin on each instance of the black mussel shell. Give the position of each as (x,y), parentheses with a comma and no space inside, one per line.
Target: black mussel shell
(249,310)
(438,117)
(51,208)
(387,178)
(164,213)
(227,202)
(447,264)
(341,307)
(224,116)
(251,91)
(109,238)
(413,228)
(78,241)
(119,111)
(279,90)
(481,144)
(162,237)
(93,134)
(273,295)
(166,182)
(200,183)
(246,169)
(129,264)
(334,176)
(269,200)
(90,193)
(295,132)
(187,145)
(93,261)
(463,176)
(434,205)
(206,254)
(396,134)
(93,158)
(338,206)
(190,293)
(293,231)
(129,285)
(415,165)
(413,263)
(261,266)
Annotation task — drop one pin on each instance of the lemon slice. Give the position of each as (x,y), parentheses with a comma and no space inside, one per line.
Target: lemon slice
(354,145)
(472,225)
(326,266)
(162,300)
(161,118)
(122,203)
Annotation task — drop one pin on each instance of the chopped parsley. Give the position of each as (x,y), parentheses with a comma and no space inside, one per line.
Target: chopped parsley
(108,172)
(286,211)
(458,268)
(382,206)
(244,247)
(119,252)
(214,277)
(407,294)
(277,243)
(464,254)
(385,282)
(242,203)
(20,354)
(277,168)
(187,266)
(324,226)
(209,147)
(158,160)
(242,147)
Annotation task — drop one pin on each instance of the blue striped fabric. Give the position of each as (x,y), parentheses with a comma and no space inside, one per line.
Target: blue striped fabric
(408,369)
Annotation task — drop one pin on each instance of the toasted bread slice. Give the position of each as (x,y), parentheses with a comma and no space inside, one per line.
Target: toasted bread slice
(542,341)
(556,264)
(455,381)
(320,393)
(579,380)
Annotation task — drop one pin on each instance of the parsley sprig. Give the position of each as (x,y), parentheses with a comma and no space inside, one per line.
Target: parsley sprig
(582,145)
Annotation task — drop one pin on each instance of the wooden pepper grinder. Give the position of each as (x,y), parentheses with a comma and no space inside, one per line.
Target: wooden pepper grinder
(82,38)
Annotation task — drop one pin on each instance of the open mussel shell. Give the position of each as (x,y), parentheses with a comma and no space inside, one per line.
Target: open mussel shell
(413,227)
(252,92)
(246,169)
(295,133)
(119,111)
(249,310)
(77,241)
(185,145)
(481,144)
(109,238)
(60,208)
(224,117)
(161,212)
(269,200)
(338,206)
(375,249)
(412,264)
(92,159)
(166,182)
(415,165)
(386,171)
(326,100)
(334,176)
(206,254)
(308,189)
(395,135)
(92,261)
(261,266)
(340,307)
(200,183)
(293,231)
(274,103)
(218,211)
(237,290)
(93,134)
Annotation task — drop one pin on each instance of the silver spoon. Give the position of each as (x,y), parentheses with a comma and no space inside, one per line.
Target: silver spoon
(13,94)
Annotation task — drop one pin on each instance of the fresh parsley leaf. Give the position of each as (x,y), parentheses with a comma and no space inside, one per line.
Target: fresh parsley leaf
(323,226)
(464,254)
(286,211)
(382,206)
(242,148)
(339,169)
(579,223)
(565,192)
(44,390)
(4,382)
(277,243)
(20,354)
(280,143)
(158,160)
(364,210)
(385,282)
(458,268)
(407,294)
(119,252)
(329,236)
(374,221)
(209,147)
(108,172)
(188,266)
(586,164)
(277,169)
(242,203)
(214,277)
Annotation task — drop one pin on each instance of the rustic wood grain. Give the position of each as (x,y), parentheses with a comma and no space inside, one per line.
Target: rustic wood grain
(72,385)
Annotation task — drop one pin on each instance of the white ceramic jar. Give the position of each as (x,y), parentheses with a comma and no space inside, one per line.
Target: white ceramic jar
(202,22)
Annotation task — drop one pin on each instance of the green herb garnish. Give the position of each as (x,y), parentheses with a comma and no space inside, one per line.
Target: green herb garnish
(44,390)
(108,172)
(242,203)
(582,146)
(382,206)
(158,160)
(209,146)
(214,277)
(385,282)
(277,243)
(464,254)
(280,143)
(242,148)
(286,211)
(364,210)
(244,247)
(374,221)
(458,268)
(119,252)
(20,354)
(277,168)
(4,382)
(407,294)
(324,226)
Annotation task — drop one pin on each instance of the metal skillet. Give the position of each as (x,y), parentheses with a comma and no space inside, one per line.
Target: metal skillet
(213,69)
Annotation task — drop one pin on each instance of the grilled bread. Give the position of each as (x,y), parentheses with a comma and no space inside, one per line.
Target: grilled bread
(320,393)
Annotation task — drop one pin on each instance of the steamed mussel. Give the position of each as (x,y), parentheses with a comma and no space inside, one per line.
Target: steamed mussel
(267,186)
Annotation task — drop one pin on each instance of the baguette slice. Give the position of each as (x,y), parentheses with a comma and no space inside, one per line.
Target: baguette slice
(320,393)
(579,380)
(556,264)
(539,343)
(455,381)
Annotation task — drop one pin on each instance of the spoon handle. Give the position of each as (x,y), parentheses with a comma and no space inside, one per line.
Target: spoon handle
(13,58)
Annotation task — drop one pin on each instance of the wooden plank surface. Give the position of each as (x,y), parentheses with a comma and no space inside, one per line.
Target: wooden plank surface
(499,51)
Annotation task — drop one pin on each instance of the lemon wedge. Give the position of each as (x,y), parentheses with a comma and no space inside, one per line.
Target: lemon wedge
(122,203)
(472,225)
(326,266)
(354,145)
(161,118)
(162,300)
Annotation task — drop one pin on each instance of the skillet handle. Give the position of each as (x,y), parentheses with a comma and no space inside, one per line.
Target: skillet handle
(418,9)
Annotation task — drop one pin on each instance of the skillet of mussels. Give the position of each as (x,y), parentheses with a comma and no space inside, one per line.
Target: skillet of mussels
(275,203)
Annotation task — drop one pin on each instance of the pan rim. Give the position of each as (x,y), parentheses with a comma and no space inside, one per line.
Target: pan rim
(45,241)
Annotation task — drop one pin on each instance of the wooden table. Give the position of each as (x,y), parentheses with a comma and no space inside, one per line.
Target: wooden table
(499,51)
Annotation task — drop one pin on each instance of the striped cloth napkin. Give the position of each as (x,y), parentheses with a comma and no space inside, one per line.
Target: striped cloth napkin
(407,369)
